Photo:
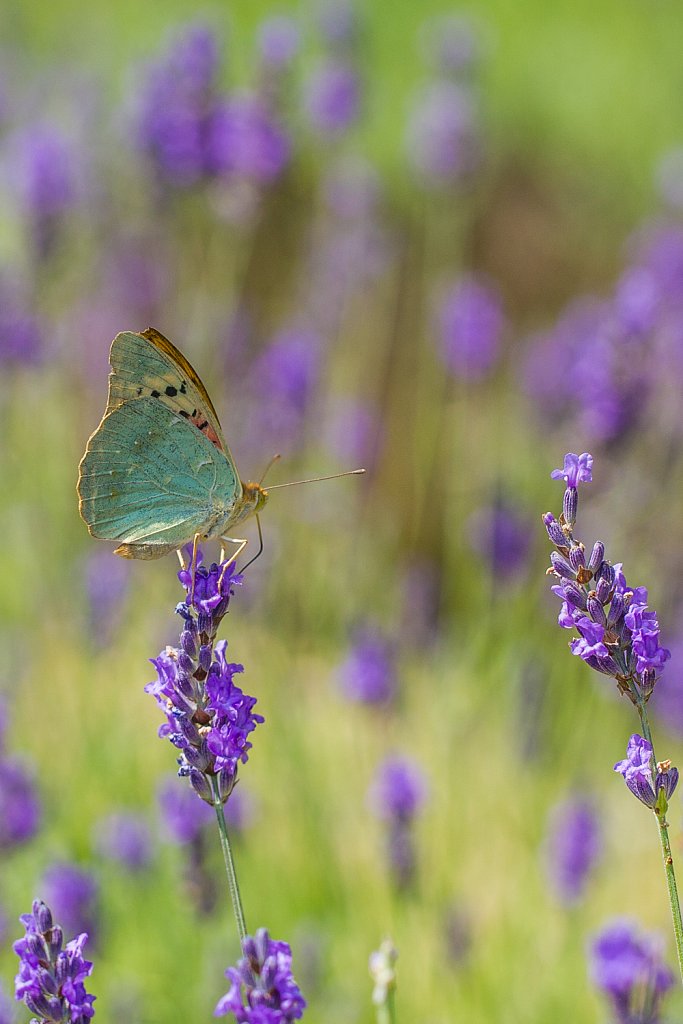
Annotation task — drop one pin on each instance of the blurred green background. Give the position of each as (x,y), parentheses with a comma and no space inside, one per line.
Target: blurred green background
(574,106)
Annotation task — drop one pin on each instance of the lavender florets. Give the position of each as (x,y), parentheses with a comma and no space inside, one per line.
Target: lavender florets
(262,988)
(618,635)
(50,978)
(208,716)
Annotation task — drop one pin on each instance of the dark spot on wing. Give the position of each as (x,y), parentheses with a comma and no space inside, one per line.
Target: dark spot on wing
(171,391)
(184,413)
(156,394)
(183,389)
(204,425)
(139,391)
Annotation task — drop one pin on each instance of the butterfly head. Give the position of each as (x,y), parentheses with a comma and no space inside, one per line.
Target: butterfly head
(254,497)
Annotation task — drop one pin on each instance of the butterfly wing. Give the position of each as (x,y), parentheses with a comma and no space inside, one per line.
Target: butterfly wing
(149,480)
(148,365)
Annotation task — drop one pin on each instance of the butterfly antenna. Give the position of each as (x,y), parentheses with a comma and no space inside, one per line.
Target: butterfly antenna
(316,479)
(260,537)
(275,458)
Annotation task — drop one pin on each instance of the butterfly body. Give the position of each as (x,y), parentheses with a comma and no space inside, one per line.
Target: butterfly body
(157,471)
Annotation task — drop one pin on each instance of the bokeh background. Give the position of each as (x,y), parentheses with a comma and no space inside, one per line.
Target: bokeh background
(442,242)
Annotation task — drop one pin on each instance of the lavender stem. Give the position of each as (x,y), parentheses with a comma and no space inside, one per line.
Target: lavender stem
(666,847)
(385,1011)
(237,907)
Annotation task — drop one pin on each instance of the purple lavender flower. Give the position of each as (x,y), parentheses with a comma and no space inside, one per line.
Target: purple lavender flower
(500,536)
(636,769)
(332,97)
(470,321)
(399,789)
(124,837)
(443,139)
(397,793)
(46,173)
(452,43)
(239,810)
(245,140)
(21,335)
(262,988)
(6,1009)
(20,807)
(176,104)
(208,716)
(183,816)
(618,635)
(337,21)
(368,674)
(594,381)
(353,432)
(106,582)
(51,978)
(573,847)
(577,469)
(287,372)
(279,39)
(74,893)
(627,966)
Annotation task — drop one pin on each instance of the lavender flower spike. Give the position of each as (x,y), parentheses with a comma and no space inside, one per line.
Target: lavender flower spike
(262,988)
(50,978)
(637,771)
(208,716)
(618,634)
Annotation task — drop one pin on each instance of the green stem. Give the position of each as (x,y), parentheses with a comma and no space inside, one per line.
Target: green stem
(666,847)
(385,1011)
(229,863)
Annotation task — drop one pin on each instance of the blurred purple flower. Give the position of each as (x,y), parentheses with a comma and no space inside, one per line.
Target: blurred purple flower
(573,845)
(502,538)
(471,322)
(452,43)
(332,97)
(399,789)
(337,21)
(46,181)
(286,374)
(6,1008)
(245,139)
(637,301)
(397,793)
(239,810)
(73,893)
(183,816)
(124,837)
(626,964)
(20,807)
(443,137)
(107,579)
(279,39)
(21,335)
(176,103)
(368,674)
(353,432)
(596,359)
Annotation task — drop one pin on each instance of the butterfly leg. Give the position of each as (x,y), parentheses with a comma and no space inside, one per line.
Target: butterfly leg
(233,558)
(181,559)
(193,562)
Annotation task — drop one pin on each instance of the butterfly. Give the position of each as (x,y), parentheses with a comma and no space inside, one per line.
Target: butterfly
(157,473)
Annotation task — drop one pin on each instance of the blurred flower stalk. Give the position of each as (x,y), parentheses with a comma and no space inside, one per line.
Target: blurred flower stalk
(618,637)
